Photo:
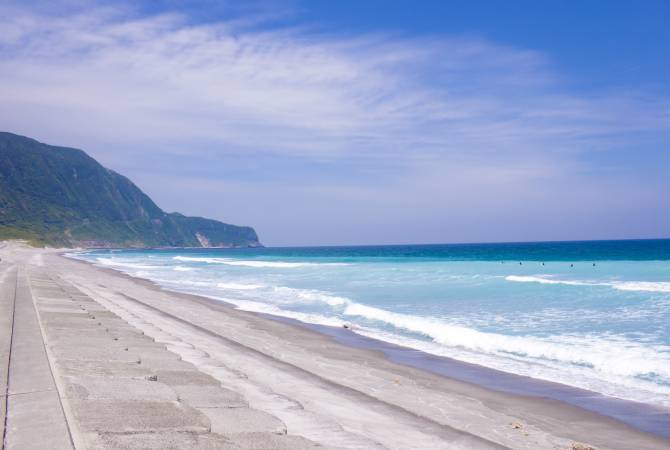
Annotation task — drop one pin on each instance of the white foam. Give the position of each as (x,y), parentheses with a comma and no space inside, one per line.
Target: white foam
(238,286)
(264,308)
(182,269)
(120,263)
(644,286)
(622,358)
(545,280)
(607,364)
(254,263)
(580,377)
(265,264)
(293,295)
(638,286)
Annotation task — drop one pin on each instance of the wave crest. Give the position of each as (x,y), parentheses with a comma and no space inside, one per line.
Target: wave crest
(253,263)
(118,263)
(239,286)
(637,286)
(545,280)
(617,357)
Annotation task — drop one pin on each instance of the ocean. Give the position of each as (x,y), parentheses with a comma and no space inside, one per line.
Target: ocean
(592,315)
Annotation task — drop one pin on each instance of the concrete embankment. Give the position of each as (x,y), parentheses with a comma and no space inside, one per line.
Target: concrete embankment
(101,383)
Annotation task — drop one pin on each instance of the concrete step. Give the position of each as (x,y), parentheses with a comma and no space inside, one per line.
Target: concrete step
(124,389)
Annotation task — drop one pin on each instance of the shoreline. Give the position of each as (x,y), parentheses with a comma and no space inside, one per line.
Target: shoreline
(642,416)
(137,366)
(648,418)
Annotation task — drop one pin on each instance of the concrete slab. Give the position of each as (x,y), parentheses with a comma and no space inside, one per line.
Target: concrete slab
(243,420)
(163,441)
(105,339)
(191,377)
(55,333)
(210,397)
(166,364)
(95,354)
(109,416)
(64,309)
(115,369)
(213,441)
(49,301)
(268,441)
(154,351)
(104,314)
(70,321)
(102,388)
(35,421)
(124,331)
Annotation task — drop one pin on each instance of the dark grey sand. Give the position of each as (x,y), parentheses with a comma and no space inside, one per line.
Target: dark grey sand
(95,359)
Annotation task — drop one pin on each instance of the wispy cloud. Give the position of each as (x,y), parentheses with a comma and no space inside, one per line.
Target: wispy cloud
(429,109)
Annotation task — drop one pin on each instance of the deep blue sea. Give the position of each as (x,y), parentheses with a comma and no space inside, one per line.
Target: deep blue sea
(593,315)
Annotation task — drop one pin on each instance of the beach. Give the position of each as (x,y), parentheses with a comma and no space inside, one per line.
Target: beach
(106,360)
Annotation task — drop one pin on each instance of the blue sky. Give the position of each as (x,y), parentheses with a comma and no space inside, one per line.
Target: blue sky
(361,122)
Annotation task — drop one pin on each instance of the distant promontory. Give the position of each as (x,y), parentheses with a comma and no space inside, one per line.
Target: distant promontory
(61,196)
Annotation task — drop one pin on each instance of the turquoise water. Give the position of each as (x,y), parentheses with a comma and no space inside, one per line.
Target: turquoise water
(592,315)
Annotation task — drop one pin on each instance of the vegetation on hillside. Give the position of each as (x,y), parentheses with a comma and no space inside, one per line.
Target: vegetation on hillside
(61,196)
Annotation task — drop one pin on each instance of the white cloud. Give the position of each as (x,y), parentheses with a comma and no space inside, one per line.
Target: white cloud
(160,78)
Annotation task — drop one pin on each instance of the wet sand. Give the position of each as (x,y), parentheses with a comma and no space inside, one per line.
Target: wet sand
(646,417)
(264,383)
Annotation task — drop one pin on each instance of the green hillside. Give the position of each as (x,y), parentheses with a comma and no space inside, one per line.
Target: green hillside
(61,196)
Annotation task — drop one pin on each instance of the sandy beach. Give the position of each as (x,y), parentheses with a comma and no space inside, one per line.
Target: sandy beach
(92,358)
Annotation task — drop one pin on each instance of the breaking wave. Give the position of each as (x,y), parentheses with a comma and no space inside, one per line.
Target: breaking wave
(644,286)
(252,263)
(264,308)
(611,358)
(640,286)
(120,263)
(307,296)
(239,286)
(543,280)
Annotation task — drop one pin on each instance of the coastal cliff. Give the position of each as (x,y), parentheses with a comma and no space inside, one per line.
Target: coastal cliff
(61,196)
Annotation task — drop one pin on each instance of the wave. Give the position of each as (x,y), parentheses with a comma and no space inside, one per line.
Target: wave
(292,295)
(644,286)
(607,356)
(608,364)
(581,377)
(182,269)
(638,286)
(119,263)
(543,280)
(182,282)
(273,295)
(274,310)
(252,263)
(238,286)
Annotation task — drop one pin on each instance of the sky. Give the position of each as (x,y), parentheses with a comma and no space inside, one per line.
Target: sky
(361,122)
